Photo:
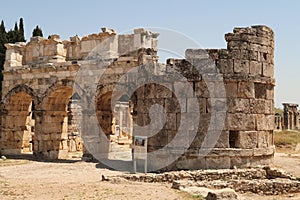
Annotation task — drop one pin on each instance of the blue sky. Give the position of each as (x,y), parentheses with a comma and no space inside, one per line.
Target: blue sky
(206,22)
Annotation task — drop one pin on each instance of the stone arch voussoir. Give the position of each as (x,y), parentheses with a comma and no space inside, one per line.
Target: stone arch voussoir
(21,88)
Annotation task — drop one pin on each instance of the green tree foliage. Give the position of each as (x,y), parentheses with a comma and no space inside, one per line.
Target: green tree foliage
(12,36)
(3,40)
(21,37)
(37,32)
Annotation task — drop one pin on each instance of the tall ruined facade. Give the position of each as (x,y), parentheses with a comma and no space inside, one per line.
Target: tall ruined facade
(39,79)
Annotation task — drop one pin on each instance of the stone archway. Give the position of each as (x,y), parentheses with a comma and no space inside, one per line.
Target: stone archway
(52,124)
(18,122)
(115,122)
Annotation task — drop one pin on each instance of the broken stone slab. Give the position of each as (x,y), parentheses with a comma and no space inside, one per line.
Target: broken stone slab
(222,194)
(196,191)
(210,194)
(273,173)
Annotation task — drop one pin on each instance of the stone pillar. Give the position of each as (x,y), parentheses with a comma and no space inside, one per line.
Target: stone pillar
(51,134)
(96,145)
(74,126)
(290,116)
(278,119)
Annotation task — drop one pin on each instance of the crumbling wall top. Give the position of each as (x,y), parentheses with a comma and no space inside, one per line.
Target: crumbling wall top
(40,50)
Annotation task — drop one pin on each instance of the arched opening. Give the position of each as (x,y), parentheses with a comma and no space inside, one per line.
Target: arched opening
(18,125)
(54,140)
(116,123)
(75,142)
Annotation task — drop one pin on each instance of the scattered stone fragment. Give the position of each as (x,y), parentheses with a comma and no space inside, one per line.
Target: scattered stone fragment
(223,194)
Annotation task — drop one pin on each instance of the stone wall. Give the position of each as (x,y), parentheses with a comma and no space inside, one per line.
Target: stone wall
(42,72)
(233,85)
(246,68)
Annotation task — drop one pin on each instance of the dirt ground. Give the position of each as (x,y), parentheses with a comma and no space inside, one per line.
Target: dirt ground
(25,179)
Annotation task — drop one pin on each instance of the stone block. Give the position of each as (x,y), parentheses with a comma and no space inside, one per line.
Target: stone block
(270,92)
(222,194)
(241,66)
(164,91)
(187,121)
(264,122)
(268,70)
(240,121)
(217,163)
(236,105)
(201,89)
(242,162)
(263,139)
(245,89)
(260,90)
(191,163)
(258,106)
(255,68)
(172,105)
(231,89)
(183,90)
(45,136)
(216,105)
(247,139)
(225,66)
(216,139)
(7,136)
(160,139)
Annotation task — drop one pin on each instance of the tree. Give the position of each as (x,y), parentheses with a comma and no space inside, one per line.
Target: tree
(21,36)
(12,36)
(37,32)
(3,40)
(2,27)
(16,28)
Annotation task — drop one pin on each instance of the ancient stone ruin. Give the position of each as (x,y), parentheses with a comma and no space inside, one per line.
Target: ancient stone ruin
(290,116)
(289,119)
(39,103)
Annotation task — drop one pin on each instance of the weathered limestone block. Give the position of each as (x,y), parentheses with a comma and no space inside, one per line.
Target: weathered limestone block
(215,105)
(183,90)
(268,69)
(246,89)
(216,139)
(217,162)
(255,68)
(222,194)
(231,88)
(259,106)
(246,139)
(225,66)
(238,105)
(240,121)
(201,90)
(264,122)
(264,139)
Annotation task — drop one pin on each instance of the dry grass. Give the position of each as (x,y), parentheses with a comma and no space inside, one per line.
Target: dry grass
(286,141)
(287,137)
